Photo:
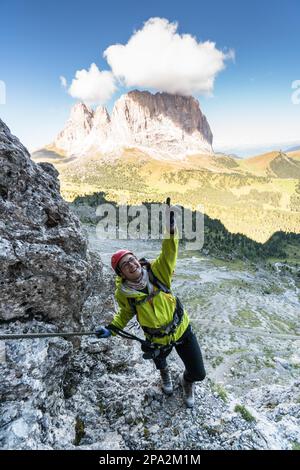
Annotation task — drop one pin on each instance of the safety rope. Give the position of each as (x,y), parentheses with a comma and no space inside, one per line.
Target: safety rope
(123,333)
(45,335)
(118,331)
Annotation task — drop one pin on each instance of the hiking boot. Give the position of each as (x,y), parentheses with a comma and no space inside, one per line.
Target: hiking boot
(188,392)
(166,381)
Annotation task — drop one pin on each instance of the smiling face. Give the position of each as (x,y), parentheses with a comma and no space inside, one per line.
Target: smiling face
(130,267)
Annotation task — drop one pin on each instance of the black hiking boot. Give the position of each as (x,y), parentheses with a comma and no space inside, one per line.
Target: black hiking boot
(188,392)
(166,381)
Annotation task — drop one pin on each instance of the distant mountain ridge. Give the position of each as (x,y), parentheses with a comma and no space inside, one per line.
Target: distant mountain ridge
(275,164)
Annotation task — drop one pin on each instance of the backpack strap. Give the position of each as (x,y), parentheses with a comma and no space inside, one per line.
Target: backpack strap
(132,306)
(152,277)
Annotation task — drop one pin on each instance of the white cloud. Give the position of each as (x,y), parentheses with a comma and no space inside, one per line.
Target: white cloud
(159,58)
(92,86)
(63,81)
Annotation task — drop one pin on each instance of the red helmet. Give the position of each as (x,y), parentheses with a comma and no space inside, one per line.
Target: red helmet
(117,256)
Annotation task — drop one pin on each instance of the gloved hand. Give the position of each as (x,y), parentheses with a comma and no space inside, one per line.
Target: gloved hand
(170,216)
(102,332)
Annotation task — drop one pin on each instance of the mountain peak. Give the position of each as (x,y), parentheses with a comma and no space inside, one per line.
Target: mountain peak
(77,128)
(101,115)
(80,111)
(161,124)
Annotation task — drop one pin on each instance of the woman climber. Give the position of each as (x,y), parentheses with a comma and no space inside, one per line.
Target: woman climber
(143,289)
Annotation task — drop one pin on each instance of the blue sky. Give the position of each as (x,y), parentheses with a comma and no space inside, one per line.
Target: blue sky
(251,101)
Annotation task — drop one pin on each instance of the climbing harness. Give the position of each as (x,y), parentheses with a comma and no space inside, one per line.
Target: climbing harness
(171,327)
(150,350)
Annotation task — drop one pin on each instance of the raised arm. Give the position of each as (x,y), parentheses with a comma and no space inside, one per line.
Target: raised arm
(163,266)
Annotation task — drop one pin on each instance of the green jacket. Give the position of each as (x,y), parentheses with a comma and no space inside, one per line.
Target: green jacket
(160,311)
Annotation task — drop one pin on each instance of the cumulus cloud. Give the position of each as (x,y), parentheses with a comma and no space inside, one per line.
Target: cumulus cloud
(63,81)
(159,58)
(92,86)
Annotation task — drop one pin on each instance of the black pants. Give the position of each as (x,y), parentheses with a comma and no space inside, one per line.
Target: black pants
(190,353)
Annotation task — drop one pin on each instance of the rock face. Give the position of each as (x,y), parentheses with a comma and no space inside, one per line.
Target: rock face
(99,136)
(46,270)
(162,124)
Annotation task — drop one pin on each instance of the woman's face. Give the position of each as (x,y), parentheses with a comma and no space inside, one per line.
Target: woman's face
(130,267)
